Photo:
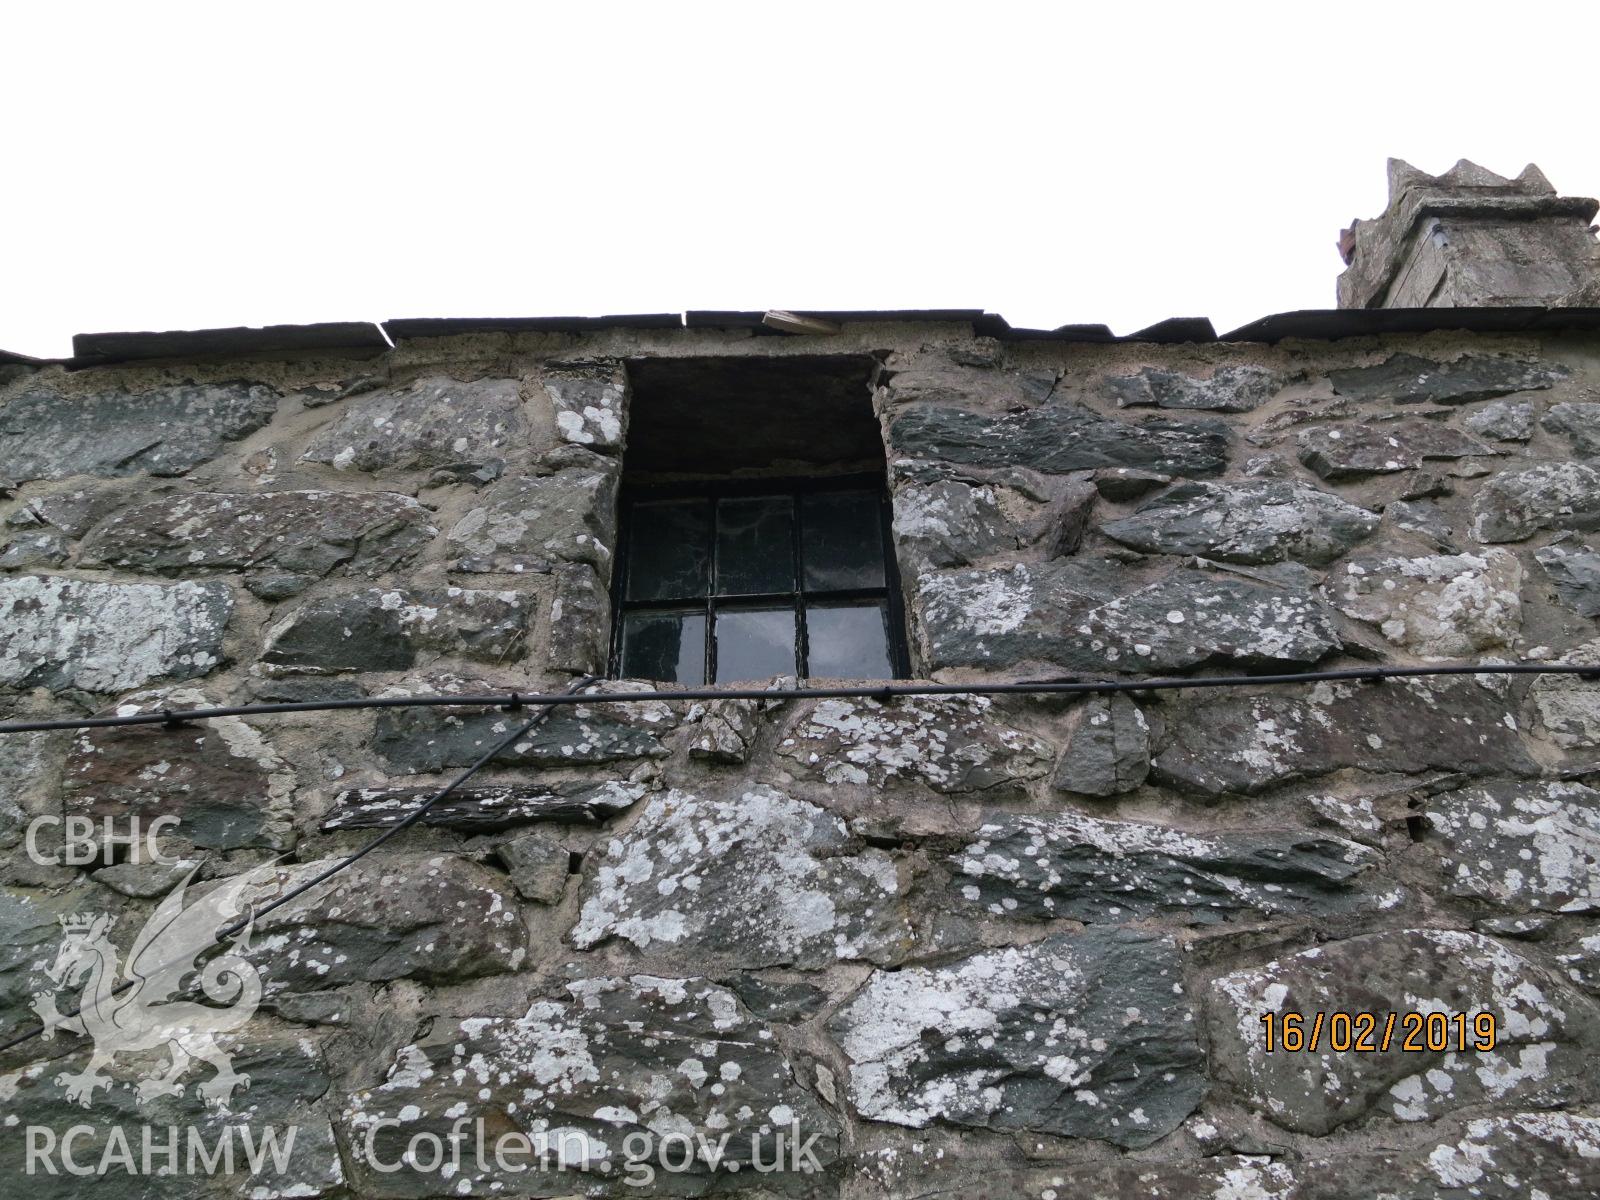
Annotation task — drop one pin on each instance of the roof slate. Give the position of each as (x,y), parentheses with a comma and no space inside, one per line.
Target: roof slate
(102,349)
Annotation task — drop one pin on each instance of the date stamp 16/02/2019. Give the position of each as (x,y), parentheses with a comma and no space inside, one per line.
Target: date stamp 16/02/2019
(1377,1033)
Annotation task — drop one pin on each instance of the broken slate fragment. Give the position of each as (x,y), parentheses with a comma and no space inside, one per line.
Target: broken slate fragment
(948,523)
(727,730)
(483,809)
(588,1070)
(144,881)
(580,621)
(277,1082)
(1578,423)
(1107,748)
(1080,1035)
(1219,1177)
(773,1000)
(1086,869)
(537,864)
(1575,570)
(1568,706)
(1523,1156)
(438,918)
(166,431)
(1243,742)
(31,926)
(1408,379)
(434,422)
(530,522)
(1125,483)
(1426,520)
(1059,437)
(1504,421)
(1088,615)
(43,548)
(1516,504)
(1260,521)
(222,779)
(423,740)
(1356,816)
(303,532)
(1352,451)
(391,629)
(1228,389)
(760,879)
(1581,960)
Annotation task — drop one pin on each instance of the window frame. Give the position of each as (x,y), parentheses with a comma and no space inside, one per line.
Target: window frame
(796,487)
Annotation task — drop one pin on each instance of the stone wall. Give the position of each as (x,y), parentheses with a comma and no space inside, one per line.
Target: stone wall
(972,946)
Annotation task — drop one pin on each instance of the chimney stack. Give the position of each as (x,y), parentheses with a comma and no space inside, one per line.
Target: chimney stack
(1471,238)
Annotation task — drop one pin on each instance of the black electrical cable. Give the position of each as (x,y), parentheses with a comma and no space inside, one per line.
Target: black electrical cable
(322,877)
(877,691)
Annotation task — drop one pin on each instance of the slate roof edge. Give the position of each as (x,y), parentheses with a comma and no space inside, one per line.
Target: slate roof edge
(365,337)
(1330,324)
(104,349)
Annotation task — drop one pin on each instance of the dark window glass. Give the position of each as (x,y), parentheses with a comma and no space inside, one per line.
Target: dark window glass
(755,545)
(669,550)
(848,641)
(670,647)
(755,644)
(749,581)
(842,541)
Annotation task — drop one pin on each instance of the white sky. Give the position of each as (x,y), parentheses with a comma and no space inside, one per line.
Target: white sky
(184,166)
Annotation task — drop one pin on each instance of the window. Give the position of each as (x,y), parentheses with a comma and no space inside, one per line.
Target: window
(746,580)
(754,523)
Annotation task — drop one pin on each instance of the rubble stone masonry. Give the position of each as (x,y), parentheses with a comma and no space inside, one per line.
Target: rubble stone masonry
(976,946)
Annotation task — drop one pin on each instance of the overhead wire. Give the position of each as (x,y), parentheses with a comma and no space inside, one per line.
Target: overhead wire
(547,703)
(879,691)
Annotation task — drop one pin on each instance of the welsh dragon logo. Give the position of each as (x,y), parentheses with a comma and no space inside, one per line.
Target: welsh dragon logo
(161,966)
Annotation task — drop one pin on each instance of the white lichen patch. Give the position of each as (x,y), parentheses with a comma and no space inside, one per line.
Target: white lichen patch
(1492,1155)
(588,410)
(108,637)
(1568,706)
(949,743)
(760,879)
(887,1023)
(1527,846)
(978,605)
(1438,606)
